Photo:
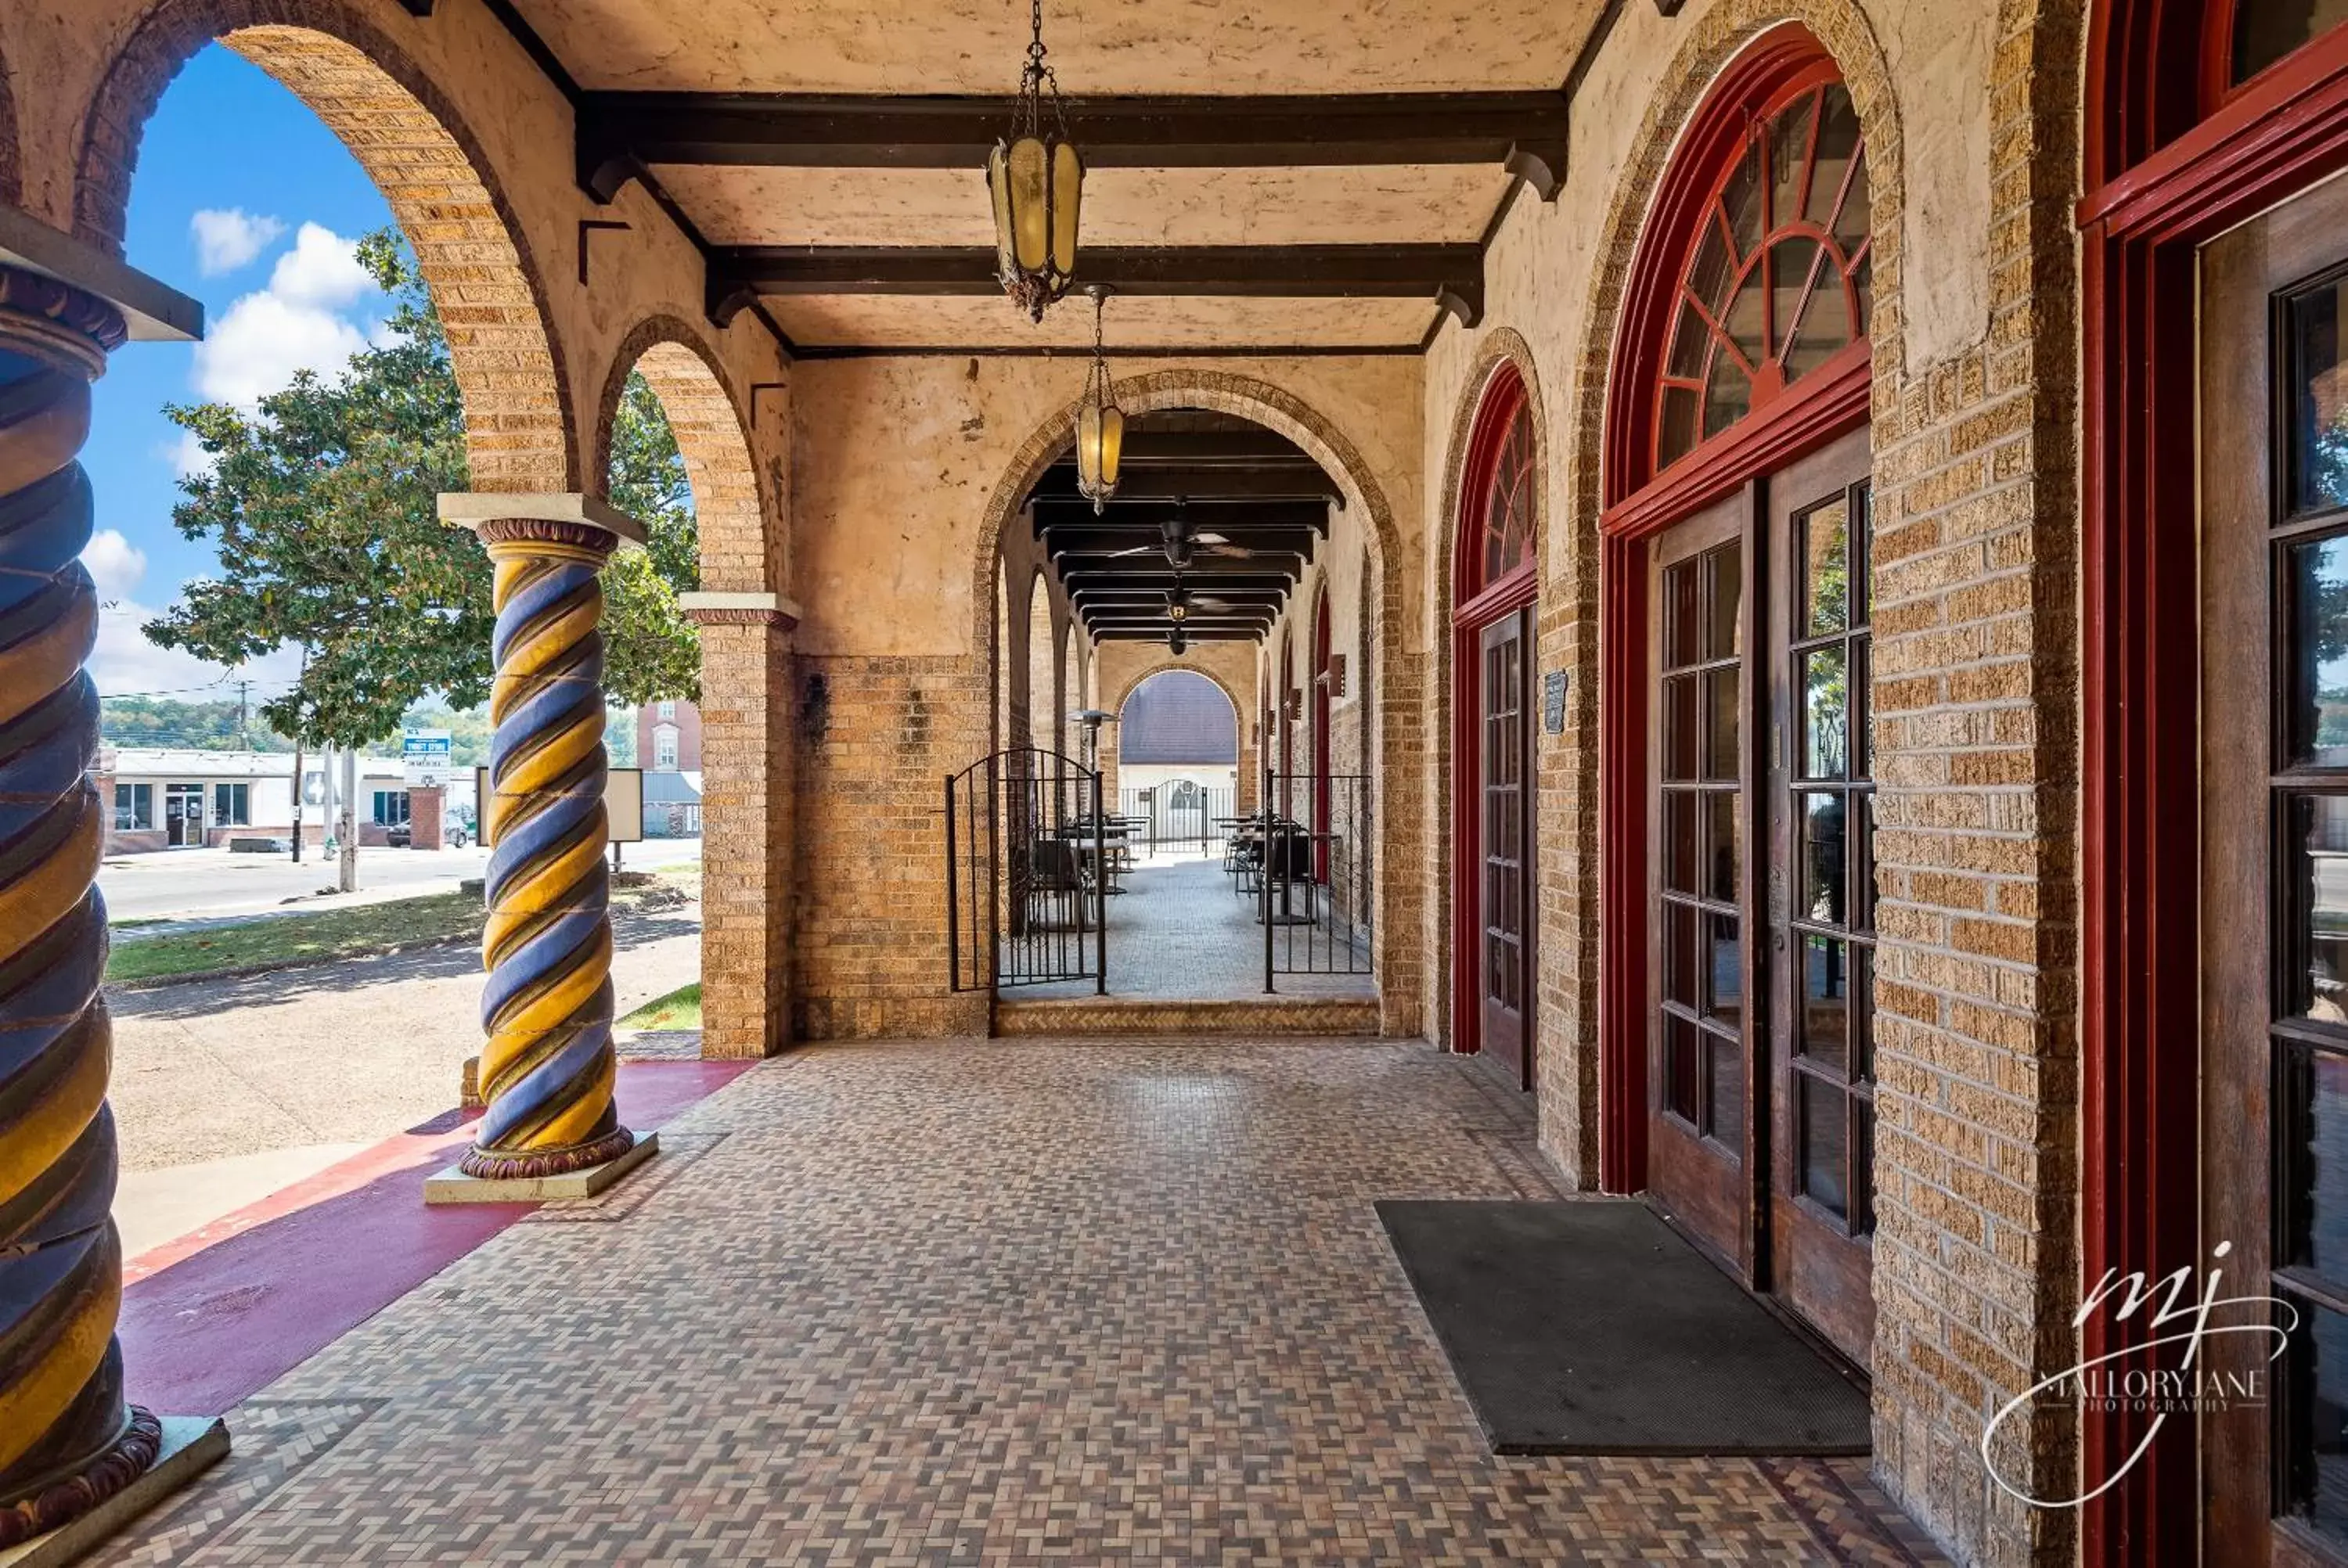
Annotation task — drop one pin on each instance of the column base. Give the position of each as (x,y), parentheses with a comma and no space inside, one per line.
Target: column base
(192,1445)
(453,1186)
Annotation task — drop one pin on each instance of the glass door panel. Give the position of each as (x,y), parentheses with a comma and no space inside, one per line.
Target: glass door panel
(2273,792)
(1700,1103)
(1504,742)
(1822,883)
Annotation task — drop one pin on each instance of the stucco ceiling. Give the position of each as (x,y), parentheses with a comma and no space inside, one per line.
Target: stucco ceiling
(831,321)
(1098,45)
(1122,206)
(664,63)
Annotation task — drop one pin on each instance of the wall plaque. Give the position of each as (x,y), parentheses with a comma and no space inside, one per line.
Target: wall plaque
(1553,686)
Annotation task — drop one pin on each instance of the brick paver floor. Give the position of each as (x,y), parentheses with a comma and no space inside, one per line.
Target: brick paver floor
(1179,931)
(1003,1302)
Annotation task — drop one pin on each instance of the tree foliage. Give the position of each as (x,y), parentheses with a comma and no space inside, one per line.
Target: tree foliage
(324,510)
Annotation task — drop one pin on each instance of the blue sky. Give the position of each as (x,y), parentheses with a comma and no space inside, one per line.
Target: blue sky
(246,200)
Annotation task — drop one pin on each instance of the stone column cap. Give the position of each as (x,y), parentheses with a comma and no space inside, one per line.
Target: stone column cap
(471,509)
(715,608)
(154,311)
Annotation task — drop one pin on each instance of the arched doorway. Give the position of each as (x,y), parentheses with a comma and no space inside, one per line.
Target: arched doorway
(1043,667)
(1738,934)
(1495,582)
(2215,521)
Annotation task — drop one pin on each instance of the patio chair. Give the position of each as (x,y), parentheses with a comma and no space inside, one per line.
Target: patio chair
(1055,872)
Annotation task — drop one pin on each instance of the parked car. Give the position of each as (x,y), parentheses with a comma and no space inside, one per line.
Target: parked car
(456,835)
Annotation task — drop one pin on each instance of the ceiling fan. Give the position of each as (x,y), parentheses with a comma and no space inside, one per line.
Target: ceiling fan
(1180,545)
(1180,602)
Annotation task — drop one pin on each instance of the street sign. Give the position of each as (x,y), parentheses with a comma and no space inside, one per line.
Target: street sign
(424,755)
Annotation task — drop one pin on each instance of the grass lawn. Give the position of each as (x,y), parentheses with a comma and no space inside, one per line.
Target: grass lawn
(681,1009)
(296,939)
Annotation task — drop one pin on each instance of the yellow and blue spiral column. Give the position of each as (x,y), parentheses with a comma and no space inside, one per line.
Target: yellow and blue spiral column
(68,1440)
(547,1066)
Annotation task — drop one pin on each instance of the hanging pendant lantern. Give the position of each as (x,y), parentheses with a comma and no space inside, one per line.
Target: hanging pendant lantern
(1036,179)
(1100,423)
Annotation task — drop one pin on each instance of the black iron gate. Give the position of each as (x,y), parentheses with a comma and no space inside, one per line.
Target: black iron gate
(1028,873)
(1311,865)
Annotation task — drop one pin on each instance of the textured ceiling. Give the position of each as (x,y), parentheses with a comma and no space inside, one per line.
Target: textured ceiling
(1101,47)
(896,320)
(1122,206)
(1098,45)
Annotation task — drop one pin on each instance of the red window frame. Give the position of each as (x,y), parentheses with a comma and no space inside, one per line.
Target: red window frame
(1640,502)
(2170,165)
(1767,379)
(1502,404)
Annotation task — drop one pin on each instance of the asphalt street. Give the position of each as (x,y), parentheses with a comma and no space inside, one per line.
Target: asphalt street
(195,884)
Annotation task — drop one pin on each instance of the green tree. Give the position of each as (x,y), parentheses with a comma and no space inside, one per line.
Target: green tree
(323,510)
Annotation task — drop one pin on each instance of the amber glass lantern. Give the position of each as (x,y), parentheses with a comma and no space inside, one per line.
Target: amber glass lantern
(1100,423)
(1037,180)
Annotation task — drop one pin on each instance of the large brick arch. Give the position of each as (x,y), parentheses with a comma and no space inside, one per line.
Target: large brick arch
(713,438)
(1115,702)
(430,170)
(1393,740)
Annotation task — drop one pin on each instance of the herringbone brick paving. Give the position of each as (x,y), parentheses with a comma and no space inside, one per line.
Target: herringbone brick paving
(1010,1302)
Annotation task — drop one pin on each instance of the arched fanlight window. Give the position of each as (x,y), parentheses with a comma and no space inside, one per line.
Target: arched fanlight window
(1496,499)
(2246,36)
(1776,280)
(1508,500)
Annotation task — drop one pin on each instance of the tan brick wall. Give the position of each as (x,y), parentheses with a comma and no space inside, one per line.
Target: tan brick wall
(748,839)
(1977,703)
(876,738)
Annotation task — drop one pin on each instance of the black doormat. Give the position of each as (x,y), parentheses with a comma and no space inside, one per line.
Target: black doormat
(1592,1327)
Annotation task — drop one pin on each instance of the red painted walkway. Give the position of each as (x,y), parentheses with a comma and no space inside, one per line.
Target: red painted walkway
(224,1311)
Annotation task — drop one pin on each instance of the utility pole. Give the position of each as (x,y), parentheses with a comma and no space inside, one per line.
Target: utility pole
(349,878)
(297,800)
(243,716)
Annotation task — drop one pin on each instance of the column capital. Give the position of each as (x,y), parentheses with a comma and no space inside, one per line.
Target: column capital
(480,510)
(718,609)
(147,310)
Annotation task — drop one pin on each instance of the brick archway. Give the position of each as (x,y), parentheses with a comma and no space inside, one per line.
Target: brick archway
(738,551)
(1393,675)
(431,172)
(1115,704)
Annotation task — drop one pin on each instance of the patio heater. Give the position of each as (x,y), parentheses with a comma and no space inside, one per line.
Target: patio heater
(1092,719)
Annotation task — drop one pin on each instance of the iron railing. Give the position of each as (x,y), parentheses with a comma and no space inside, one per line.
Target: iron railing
(1310,853)
(1028,873)
(1176,816)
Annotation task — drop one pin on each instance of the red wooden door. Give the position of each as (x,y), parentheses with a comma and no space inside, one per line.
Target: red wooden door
(1821,895)
(1503,822)
(1699,1038)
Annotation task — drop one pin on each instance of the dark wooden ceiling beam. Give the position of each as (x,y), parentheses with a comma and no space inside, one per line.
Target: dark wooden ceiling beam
(1145,448)
(1204,634)
(1205,514)
(1233,484)
(1450,275)
(621,133)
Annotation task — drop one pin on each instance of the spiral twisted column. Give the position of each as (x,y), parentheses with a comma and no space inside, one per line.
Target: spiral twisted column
(547,1066)
(68,1440)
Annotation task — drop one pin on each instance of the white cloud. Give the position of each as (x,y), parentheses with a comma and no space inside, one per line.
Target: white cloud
(125,662)
(228,239)
(115,564)
(297,324)
(321,269)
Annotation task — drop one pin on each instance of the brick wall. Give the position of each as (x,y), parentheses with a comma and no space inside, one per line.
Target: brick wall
(1976,673)
(876,738)
(748,848)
